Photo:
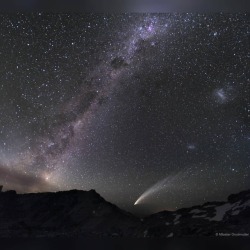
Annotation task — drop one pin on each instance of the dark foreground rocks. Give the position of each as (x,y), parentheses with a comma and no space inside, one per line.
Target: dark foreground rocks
(78,213)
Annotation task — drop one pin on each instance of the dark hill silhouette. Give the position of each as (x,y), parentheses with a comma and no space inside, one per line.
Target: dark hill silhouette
(86,213)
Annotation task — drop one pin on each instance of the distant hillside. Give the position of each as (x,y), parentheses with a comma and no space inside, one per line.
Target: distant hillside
(86,213)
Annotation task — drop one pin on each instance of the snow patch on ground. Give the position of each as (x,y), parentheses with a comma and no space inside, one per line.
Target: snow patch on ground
(235,207)
(236,212)
(200,216)
(220,211)
(196,211)
(170,235)
(210,206)
(176,220)
(238,208)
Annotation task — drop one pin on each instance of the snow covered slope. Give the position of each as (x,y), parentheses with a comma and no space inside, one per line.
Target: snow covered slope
(210,219)
(86,213)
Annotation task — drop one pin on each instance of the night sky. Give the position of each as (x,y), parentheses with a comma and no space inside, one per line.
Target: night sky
(152,109)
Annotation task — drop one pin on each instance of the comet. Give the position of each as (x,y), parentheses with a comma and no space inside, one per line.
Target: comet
(167,182)
(155,188)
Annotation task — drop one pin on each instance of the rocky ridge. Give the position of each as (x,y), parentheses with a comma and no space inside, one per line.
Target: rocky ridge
(86,213)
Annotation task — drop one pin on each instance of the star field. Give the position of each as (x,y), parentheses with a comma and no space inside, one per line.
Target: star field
(125,103)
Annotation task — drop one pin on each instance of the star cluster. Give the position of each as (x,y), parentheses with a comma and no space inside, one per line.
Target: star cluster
(119,102)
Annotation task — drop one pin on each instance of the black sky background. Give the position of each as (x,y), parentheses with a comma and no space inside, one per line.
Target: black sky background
(119,102)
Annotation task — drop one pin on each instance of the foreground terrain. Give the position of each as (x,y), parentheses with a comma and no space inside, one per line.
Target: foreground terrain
(86,213)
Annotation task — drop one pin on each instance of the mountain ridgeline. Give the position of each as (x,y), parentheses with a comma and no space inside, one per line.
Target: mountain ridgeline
(86,213)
